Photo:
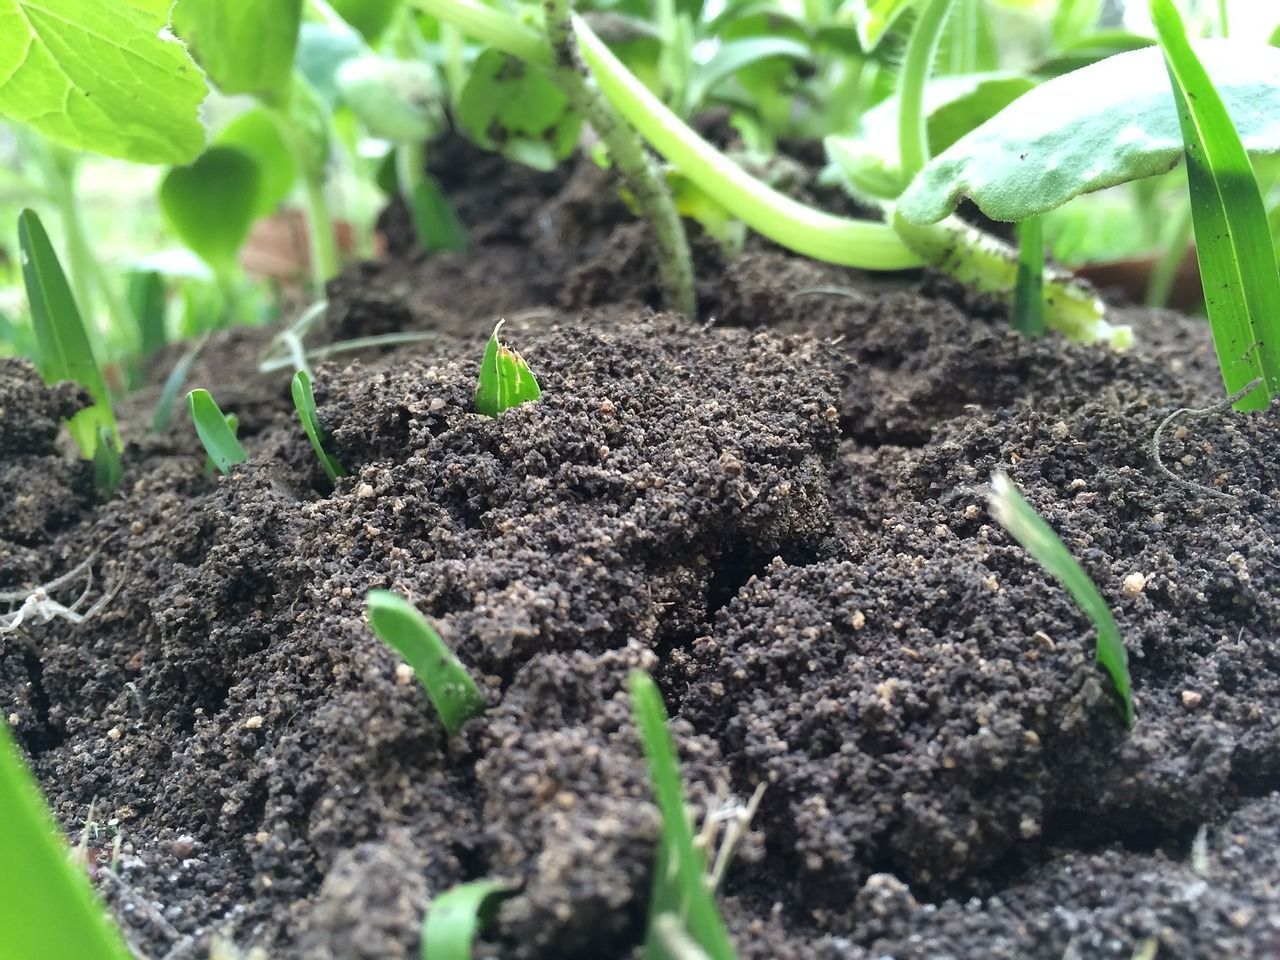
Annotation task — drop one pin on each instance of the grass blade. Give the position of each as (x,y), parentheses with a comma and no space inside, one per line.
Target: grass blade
(304,401)
(455,917)
(400,626)
(1233,239)
(63,350)
(1020,519)
(1028,289)
(47,908)
(505,379)
(146,296)
(173,385)
(214,431)
(679,879)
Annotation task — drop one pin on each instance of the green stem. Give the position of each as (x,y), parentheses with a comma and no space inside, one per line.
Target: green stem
(1165,270)
(633,163)
(913,138)
(1028,290)
(852,243)
(455,66)
(324,248)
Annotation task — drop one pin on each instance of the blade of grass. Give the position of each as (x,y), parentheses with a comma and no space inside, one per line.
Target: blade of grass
(1020,519)
(47,908)
(107,468)
(1233,239)
(63,350)
(400,626)
(679,884)
(146,296)
(214,431)
(455,917)
(1028,290)
(173,385)
(304,401)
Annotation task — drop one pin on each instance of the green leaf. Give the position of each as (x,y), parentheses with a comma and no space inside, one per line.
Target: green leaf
(516,109)
(215,433)
(322,50)
(211,204)
(1036,155)
(679,884)
(396,100)
(1027,527)
(455,917)
(173,385)
(1074,20)
(107,468)
(873,18)
(63,351)
(435,221)
(734,55)
(257,134)
(370,17)
(304,402)
(1028,290)
(102,77)
(307,123)
(1233,237)
(505,379)
(448,684)
(245,46)
(47,908)
(145,292)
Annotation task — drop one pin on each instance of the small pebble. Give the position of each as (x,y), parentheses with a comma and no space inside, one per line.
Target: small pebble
(183,847)
(364,491)
(1134,584)
(1191,699)
(254,722)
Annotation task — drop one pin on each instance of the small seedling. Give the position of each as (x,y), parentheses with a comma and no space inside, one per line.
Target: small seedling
(215,431)
(1020,519)
(505,379)
(304,401)
(452,691)
(680,887)
(455,917)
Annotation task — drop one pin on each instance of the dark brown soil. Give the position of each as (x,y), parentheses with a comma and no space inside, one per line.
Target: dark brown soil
(778,511)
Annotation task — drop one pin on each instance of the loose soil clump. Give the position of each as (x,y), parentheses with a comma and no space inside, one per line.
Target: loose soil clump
(780,514)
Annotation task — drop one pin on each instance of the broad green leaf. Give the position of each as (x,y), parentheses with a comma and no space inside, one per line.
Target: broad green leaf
(505,379)
(215,433)
(734,55)
(873,18)
(396,100)
(211,203)
(1233,237)
(63,351)
(103,77)
(370,17)
(448,684)
(48,910)
(679,877)
(516,109)
(145,293)
(322,50)
(304,401)
(1027,527)
(245,46)
(1033,156)
(256,133)
(455,917)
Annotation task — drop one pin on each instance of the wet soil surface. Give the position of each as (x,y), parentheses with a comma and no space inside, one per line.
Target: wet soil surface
(779,511)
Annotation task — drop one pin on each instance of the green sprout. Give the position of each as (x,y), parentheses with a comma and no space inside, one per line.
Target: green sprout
(215,431)
(1233,238)
(680,889)
(304,401)
(505,379)
(1025,525)
(448,684)
(455,917)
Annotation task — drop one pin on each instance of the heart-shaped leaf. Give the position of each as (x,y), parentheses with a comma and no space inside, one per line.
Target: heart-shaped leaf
(211,203)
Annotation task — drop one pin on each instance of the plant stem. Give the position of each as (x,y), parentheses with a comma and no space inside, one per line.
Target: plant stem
(813,233)
(913,137)
(324,248)
(1028,290)
(1165,270)
(637,168)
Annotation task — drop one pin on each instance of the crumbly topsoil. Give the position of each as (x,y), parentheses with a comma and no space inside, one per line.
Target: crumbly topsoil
(779,511)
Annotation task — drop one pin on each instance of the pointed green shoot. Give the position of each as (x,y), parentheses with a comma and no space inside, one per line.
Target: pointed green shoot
(215,432)
(304,401)
(1233,238)
(107,468)
(400,626)
(679,877)
(455,917)
(62,345)
(1020,519)
(505,379)
(47,908)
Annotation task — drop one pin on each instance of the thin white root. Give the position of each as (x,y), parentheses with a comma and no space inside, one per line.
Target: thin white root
(36,606)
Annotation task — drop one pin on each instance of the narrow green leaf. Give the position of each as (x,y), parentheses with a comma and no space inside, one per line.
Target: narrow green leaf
(256,133)
(107,468)
(245,46)
(1233,237)
(47,908)
(734,55)
(146,295)
(679,881)
(435,221)
(448,684)
(455,917)
(215,432)
(304,402)
(63,350)
(1020,519)
(211,204)
(102,77)
(1028,290)
(873,18)
(505,379)
(173,385)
